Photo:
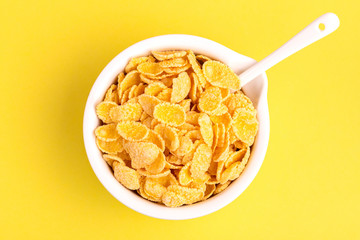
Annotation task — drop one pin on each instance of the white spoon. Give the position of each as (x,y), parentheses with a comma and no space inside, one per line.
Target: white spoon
(316,30)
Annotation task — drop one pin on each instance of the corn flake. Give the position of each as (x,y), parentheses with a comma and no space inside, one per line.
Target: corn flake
(201,161)
(221,135)
(121,77)
(164,55)
(167,81)
(172,199)
(237,156)
(124,155)
(155,88)
(154,187)
(112,147)
(107,133)
(210,100)
(176,70)
(168,113)
(165,95)
(186,145)
(187,127)
(245,125)
(110,158)
(225,93)
(219,169)
(194,135)
(169,135)
(238,100)
(185,104)
(131,92)
(194,87)
(190,195)
(221,187)
(181,87)
(192,117)
(146,79)
(125,96)
(202,58)
(206,129)
(222,109)
(141,153)
(150,69)
(143,116)
(212,181)
(210,189)
(147,122)
(103,111)
(127,112)
(220,75)
(213,168)
(174,62)
(230,173)
(161,76)
(155,138)
(112,95)
(142,193)
(145,173)
(172,166)
(154,122)
(239,144)
(148,103)
(185,175)
(216,136)
(131,79)
(224,119)
(134,62)
(189,156)
(172,159)
(197,69)
(201,182)
(158,165)
(132,131)
(221,153)
(126,176)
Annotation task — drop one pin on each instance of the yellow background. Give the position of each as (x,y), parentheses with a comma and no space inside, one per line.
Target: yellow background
(51,53)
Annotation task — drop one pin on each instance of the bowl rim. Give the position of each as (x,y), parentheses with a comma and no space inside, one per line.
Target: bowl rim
(129,198)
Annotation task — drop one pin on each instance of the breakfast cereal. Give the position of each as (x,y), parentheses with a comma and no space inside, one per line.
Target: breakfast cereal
(176,127)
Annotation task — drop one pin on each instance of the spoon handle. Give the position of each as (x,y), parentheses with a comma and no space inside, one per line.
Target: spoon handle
(316,30)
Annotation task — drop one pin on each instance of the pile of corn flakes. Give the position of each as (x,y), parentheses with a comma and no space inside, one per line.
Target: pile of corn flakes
(176,128)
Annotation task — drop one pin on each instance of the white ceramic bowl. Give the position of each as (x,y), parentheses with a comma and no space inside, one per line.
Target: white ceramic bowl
(255,90)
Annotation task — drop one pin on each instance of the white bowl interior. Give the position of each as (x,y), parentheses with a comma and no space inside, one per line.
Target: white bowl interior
(255,90)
